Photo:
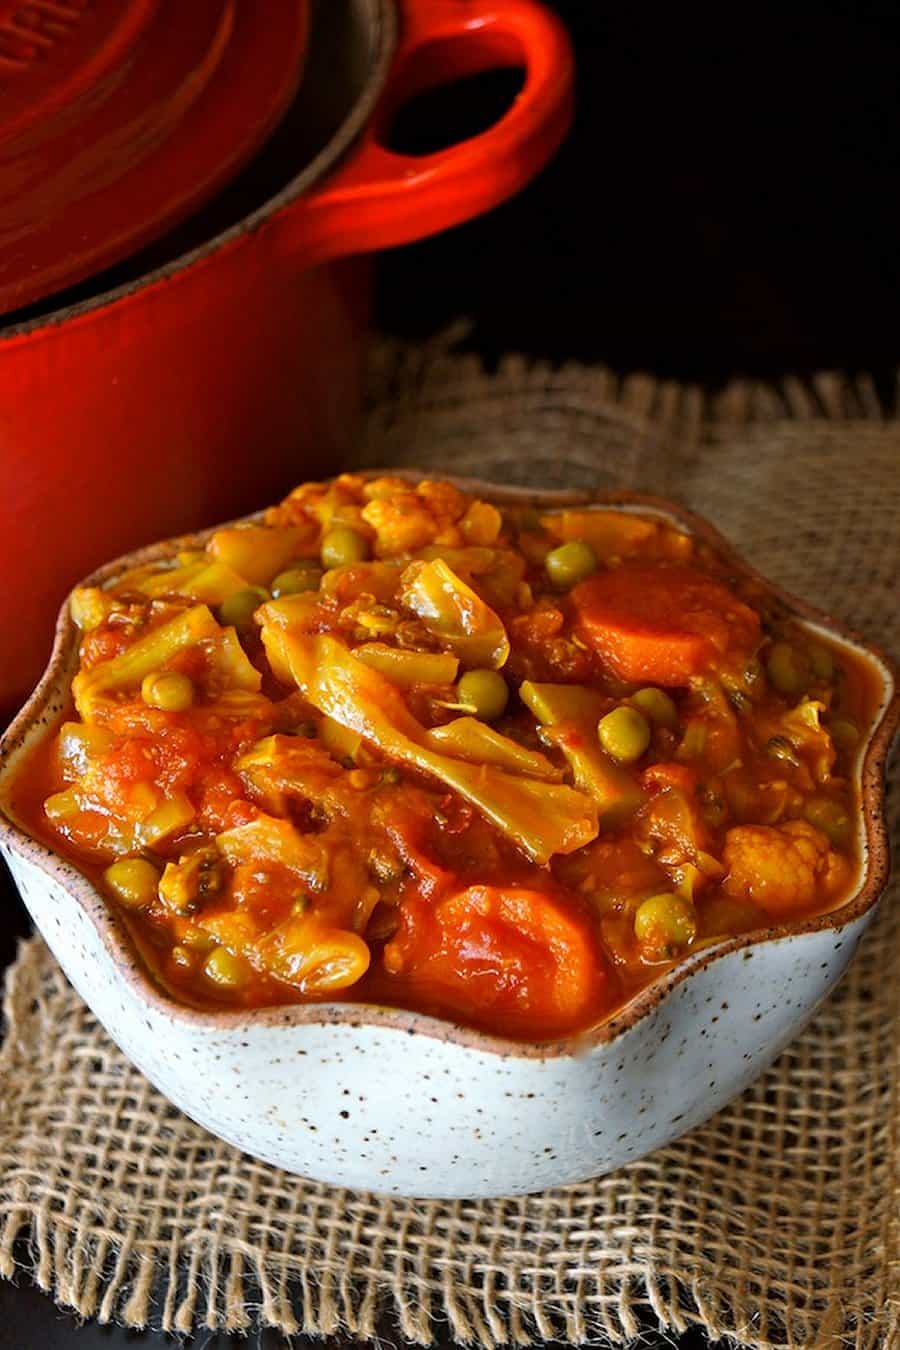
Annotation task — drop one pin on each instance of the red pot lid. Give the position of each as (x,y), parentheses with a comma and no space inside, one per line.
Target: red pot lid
(119,117)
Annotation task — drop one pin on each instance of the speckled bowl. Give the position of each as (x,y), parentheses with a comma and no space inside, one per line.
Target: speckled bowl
(393,1101)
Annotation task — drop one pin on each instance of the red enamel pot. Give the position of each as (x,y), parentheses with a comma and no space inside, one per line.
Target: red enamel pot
(210,384)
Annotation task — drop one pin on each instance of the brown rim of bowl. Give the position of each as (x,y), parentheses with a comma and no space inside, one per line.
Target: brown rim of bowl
(383,27)
(50,697)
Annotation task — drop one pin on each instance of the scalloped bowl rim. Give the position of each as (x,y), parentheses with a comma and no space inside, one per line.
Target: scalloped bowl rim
(51,693)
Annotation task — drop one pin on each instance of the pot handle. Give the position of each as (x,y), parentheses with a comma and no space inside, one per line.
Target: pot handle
(377,198)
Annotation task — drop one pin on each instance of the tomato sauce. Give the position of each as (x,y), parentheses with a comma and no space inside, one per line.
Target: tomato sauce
(398,744)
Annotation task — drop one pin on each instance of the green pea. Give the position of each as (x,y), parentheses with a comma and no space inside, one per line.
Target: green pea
(624,734)
(844,733)
(657,706)
(831,818)
(167,690)
(786,668)
(226,969)
(342,545)
(485,692)
(238,609)
(295,580)
(665,922)
(134,882)
(822,662)
(570,563)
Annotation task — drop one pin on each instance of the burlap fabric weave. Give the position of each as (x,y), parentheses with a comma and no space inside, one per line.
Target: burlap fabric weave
(776,1223)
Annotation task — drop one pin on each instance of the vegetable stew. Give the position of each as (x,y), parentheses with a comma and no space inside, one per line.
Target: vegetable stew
(394,743)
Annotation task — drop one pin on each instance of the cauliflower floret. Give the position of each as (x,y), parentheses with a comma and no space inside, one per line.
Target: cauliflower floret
(782,868)
(388,485)
(415,517)
(331,503)
(401,524)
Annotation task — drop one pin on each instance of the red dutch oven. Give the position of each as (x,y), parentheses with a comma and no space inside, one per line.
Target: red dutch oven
(209,384)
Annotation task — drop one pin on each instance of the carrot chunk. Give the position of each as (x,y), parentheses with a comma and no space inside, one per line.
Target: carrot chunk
(514,958)
(661,624)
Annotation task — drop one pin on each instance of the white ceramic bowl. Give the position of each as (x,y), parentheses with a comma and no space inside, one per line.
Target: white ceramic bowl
(394,1101)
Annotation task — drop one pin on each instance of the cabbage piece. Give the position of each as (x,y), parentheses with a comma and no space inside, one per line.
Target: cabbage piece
(79,743)
(171,817)
(147,654)
(454,613)
(281,768)
(236,929)
(341,742)
(231,664)
(351,580)
(472,561)
(314,957)
(269,840)
(406,668)
(146,819)
(713,732)
(150,653)
(243,704)
(258,552)
(203,579)
(467,738)
(543,818)
(609,533)
(193,878)
(302,613)
(90,606)
(672,829)
(690,877)
(572,712)
(499,571)
(121,836)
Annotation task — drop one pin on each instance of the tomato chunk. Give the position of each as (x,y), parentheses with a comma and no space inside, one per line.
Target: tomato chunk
(516,958)
(661,624)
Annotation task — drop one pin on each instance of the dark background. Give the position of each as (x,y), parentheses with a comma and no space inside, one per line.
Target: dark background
(727,204)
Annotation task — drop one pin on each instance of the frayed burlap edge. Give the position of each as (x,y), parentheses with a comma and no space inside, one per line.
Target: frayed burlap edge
(680,412)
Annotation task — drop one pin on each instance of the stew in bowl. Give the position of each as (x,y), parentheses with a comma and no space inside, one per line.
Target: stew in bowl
(397,743)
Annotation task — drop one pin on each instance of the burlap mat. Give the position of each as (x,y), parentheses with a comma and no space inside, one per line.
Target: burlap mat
(776,1223)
